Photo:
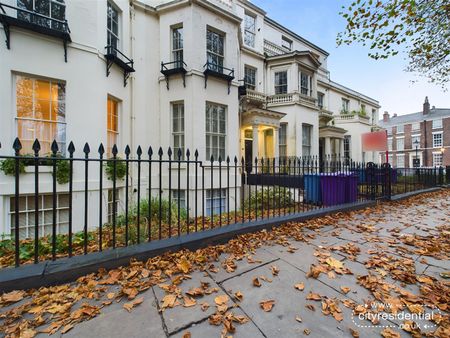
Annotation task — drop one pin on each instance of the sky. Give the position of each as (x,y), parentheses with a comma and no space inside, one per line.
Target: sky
(384,80)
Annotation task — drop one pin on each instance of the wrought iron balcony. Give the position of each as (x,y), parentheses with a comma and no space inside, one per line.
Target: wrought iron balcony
(33,21)
(172,68)
(221,72)
(115,56)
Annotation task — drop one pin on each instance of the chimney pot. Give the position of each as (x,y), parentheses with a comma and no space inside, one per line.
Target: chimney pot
(426,106)
(386,116)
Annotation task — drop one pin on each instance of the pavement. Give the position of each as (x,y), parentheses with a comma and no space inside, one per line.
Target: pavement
(347,246)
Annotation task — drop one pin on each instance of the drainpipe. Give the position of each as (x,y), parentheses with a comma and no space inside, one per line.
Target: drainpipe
(131,86)
(425,161)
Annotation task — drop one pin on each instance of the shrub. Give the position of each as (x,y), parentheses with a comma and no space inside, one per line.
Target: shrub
(273,198)
(8,166)
(121,169)
(154,203)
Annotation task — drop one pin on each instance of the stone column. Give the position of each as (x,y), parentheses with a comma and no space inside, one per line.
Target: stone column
(327,146)
(255,143)
(276,147)
(341,147)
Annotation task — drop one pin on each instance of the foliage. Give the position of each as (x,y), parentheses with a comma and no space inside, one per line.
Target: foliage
(420,27)
(121,169)
(166,208)
(8,166)
(277,197)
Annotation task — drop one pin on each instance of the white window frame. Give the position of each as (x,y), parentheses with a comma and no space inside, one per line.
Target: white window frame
(182,198)
(178,134)
(345,105)
(216,130)
(217,195)
(415,126)
(441,137)
(307,145)
(215,55)
(400,156)
(250,30)
(400,129)
(413,139)
(438,163)
(33,120)
(42,21)
(282,140)
(177,45)
(437,124)
(305,83)
(286,43)
(402,139)
(249,78)
(389,140)
(282,88)
(111,34)
(44,208)
(110,210)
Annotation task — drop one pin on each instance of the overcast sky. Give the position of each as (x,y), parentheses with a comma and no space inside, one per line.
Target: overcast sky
(319,21)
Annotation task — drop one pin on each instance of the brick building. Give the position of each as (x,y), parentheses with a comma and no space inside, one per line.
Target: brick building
(426,133)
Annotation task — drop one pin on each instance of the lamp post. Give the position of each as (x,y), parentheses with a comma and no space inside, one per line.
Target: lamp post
(416,161)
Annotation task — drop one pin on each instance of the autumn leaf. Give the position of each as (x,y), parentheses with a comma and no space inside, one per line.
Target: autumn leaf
(389,333)
(169,301)
(129,306)
(334,263)
(13,297)
(300,286)
(239,296)
(220,300)
(187,334)
(189,302)
(298,319)
(354,333)
(267,305)
(256,282)
(204,306)
(184,265)
(307,332)
(345,289)
(275,270)
(313,296)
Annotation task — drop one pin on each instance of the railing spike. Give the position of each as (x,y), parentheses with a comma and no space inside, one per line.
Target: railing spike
(17,145)
(71,147)
(114,150)
(101,149)
(150,152)
(160,152)
(127,150)
(36,146)
(139,151)
(86,149)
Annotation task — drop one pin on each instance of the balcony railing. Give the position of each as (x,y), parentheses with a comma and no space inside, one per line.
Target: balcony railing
(219,71)
(352,118)
(172,68)
(273,49)
(33,21)
(291,98)
(115,56)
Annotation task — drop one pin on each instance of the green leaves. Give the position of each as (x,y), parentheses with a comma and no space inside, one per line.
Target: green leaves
(418,28)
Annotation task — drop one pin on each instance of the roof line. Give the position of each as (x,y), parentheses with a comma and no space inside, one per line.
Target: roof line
(288,31)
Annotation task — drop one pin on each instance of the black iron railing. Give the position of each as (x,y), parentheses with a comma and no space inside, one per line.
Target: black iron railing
(115,56)
(35,18)
(219,70)
(172,68)
(96,201)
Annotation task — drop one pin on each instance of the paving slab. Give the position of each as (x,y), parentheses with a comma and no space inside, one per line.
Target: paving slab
(302,258)
(204,329)
(260,257)
(290,303)
(143,321)
(179,317)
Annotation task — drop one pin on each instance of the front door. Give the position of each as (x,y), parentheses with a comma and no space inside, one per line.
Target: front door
(248,155)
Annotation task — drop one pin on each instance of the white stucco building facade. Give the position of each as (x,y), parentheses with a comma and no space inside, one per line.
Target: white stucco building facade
(217,76)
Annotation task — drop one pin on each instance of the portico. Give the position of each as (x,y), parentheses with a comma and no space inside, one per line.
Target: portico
(331,141)
(259,134)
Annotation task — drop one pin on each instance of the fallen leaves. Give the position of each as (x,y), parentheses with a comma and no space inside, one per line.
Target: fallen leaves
(129,306)
(256,282)
(267,305)
(168,301)
(221,300)
(300,286)
(12,297)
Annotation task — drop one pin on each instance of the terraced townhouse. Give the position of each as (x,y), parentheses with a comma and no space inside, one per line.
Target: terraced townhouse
(217,76)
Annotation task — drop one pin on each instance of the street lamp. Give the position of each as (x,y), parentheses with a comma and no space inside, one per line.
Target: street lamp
(416,160)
